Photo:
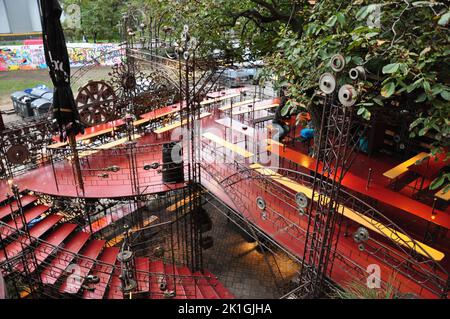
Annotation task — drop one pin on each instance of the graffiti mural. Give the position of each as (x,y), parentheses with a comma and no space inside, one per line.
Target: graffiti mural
(31,57)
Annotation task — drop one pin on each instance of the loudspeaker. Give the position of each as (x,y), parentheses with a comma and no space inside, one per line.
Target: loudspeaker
(172,172)
(204,221)
(207,242)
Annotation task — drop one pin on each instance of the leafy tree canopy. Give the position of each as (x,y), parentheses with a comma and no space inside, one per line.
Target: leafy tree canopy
(403,44)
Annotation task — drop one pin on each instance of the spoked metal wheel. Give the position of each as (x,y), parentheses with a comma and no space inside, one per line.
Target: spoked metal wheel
(96,103)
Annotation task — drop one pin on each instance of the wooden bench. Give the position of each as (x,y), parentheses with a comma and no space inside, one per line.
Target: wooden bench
(82,138)
(176,124)
(155,115)
(105,147)
(182,202)
(227,92)
(263,119)
(402,168)
(442,194)
(219,99)
(141,121)
(239,104)
(236,149)
(355,216)
(237,127)
(57,145)
(256,109)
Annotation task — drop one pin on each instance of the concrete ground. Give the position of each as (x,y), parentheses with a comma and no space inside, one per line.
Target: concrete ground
(240,266)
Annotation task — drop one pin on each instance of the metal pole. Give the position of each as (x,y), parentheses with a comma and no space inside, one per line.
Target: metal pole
(54,172)
(369,177)
(76,161)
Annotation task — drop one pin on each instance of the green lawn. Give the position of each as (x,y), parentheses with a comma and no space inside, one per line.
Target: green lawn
(8,87)
(12,81)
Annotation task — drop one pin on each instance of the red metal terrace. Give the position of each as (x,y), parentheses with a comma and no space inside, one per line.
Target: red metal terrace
(131,207)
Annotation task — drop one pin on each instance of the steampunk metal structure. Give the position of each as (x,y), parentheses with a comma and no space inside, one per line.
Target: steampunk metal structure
(129,94)
(128,233)
(334,149)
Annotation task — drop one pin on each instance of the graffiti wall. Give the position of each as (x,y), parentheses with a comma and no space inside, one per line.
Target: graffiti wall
(31,57)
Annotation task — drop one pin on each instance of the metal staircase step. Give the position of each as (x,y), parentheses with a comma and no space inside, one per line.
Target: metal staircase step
(63,258)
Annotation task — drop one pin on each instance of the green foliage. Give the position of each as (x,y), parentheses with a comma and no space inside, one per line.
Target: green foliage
(355,289)
(243,29)
(99,19)
(407,58)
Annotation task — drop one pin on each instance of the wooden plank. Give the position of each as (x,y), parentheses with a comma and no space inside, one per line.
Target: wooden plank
(17,224)
(118,239)
(228,145)
(57,145)
(182,202)
(105,147)
(82,138)
(398,170)
(176,124)
(95,134)
(239,104)
(141,121)
(157,114)
(227,92)
(256,109)
(110,218)
(443,195)
(25,201)
(237,127)
(219,99)
(357,217)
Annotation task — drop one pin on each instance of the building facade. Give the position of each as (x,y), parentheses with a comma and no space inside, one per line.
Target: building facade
(19,17)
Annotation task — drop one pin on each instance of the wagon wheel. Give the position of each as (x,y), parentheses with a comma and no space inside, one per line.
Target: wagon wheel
(96,103)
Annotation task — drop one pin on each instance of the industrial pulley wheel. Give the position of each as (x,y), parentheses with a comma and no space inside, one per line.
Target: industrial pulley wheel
(358,73)
(301,199)
(96,103)
(347,95)
(327,83)
(125,256)
(261,203)
(337,63)
(17,154)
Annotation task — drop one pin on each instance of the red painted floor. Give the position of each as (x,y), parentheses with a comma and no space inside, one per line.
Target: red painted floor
(286,227)
(284,224)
